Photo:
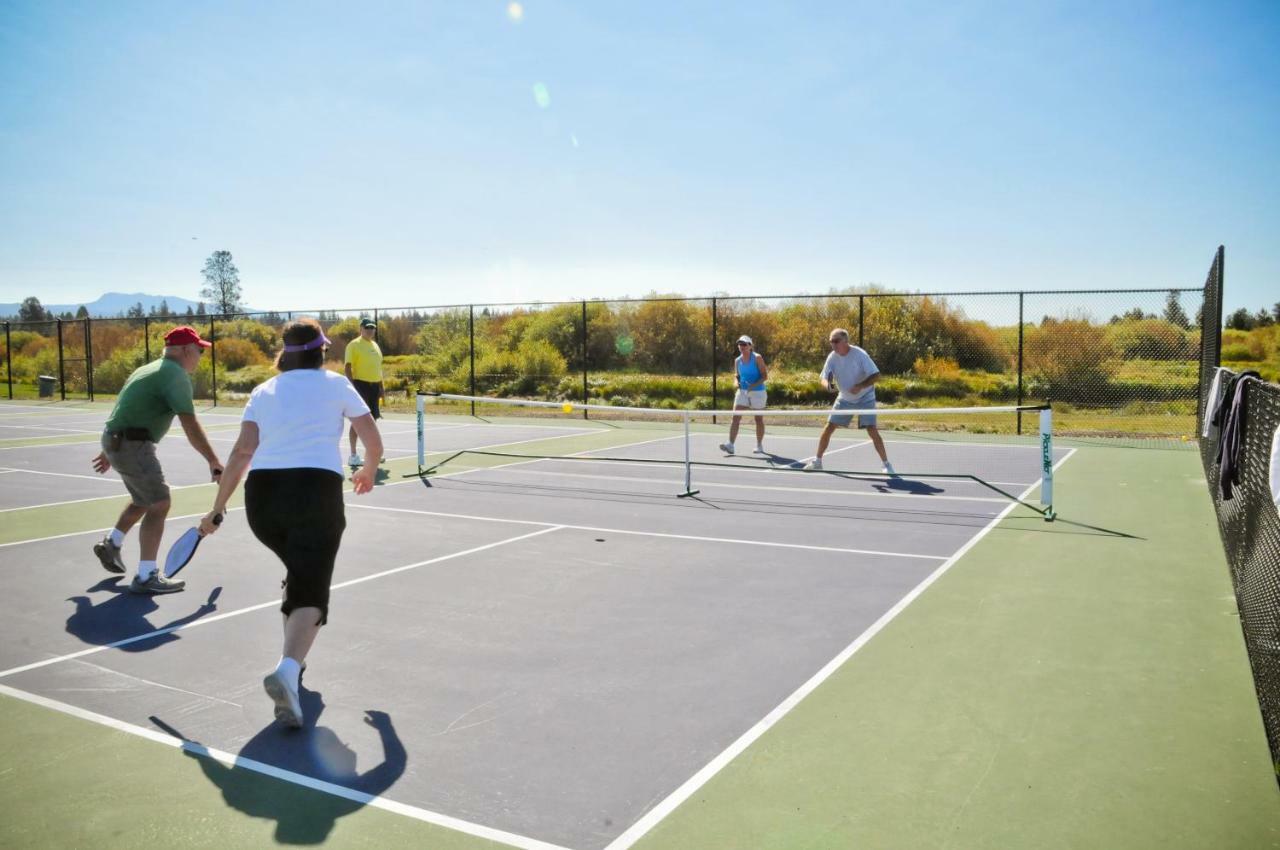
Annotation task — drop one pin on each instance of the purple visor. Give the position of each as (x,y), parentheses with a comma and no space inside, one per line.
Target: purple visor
(309,346)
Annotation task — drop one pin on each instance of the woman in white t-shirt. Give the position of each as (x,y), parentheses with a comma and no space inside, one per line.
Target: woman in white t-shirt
(290,432)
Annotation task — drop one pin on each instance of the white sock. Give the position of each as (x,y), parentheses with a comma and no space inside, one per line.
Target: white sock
(146,569)
(290,669)
(117,537)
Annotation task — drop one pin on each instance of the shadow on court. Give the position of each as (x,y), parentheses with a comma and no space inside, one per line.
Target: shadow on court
(125,615)
(914,487)
(302,816)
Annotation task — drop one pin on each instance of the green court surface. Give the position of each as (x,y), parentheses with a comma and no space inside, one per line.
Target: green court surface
(1073,684)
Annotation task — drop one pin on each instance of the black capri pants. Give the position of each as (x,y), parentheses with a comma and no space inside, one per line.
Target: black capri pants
(299,515)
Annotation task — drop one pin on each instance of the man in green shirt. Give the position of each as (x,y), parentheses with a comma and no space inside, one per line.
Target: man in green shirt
(144,410)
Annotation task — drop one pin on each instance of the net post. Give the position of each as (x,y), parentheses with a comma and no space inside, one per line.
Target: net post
(586,397)
(213,359)
(421,404)
(8,358)
(688,463)
(471,343)
(88,355)
(62,376)
(1021,325)
(715,356)
(1046,462)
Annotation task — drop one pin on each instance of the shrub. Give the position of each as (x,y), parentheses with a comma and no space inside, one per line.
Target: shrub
(266,338)
(1072,358)
(1239,352)
(1153,339)
(109,376)
(936,367)
(237,353)
(244,379)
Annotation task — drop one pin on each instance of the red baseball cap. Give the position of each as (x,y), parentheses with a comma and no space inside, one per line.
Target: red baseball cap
(185,335)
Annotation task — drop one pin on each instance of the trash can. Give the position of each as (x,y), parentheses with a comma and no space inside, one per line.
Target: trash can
(47,383)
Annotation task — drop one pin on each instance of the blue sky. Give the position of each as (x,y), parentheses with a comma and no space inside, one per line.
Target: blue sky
(438,153)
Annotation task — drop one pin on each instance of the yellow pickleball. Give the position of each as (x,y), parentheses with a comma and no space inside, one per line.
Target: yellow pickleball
(567,407)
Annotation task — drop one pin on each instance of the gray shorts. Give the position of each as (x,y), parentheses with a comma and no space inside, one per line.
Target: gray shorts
(844,419)
(139,467)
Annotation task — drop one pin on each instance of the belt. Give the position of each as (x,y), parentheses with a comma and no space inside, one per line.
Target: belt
(137,434)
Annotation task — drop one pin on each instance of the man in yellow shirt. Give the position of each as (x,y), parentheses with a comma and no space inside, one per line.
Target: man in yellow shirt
(364,371)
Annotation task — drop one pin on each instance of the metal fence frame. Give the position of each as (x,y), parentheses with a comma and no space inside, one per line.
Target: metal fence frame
(1210,325)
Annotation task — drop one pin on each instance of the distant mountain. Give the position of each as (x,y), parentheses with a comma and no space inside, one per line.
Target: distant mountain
(113,304)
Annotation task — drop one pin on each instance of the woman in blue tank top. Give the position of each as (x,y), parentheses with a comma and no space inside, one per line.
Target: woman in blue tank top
(750,371)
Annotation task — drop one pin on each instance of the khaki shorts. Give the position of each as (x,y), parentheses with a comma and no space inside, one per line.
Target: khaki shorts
(139,467)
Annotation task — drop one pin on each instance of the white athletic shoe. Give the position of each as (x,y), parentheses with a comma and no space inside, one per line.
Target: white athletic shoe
(288,707)
(760,450)
(354,460)
(727,448)
(813,463)
(888,469)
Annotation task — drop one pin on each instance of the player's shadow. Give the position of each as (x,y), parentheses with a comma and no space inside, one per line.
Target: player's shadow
(302,815)
(125,615)
(911,486)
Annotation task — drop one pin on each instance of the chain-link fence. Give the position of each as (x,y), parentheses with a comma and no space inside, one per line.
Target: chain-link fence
(1114,363)
(1239,421)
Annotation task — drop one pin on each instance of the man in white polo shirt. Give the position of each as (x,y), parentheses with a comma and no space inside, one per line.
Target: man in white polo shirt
(850,371)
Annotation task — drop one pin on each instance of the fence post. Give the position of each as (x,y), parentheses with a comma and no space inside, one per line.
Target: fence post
(1020,327)
(471,337)
(585,396)
(860,323)
(146,339)
(715,349)
(62,383)
(213,359)
(88,355)
(377,327)
(8,357)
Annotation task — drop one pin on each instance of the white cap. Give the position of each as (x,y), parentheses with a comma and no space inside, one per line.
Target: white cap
(746,339)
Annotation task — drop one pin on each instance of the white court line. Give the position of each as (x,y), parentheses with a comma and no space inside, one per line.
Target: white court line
(96,530)
(602,530)
(412,479)
(172,487)
(53,428)
(705,484)
(275,602)
(789,469)
(655,815)
(59,474)
(510,839)
(6,414)
(215,428)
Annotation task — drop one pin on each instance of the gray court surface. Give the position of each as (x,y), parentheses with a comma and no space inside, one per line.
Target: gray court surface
(549,648)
